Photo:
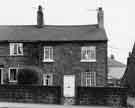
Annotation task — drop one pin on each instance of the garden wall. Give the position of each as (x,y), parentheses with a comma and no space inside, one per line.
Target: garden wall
(101,96)
(30,94)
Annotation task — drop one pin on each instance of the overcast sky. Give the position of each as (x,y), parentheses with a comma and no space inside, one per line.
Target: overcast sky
(119,18)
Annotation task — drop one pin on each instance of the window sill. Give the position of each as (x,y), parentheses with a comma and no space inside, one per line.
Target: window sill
(49,61)
(87,60)
(13,81)
(48,85)
(16,55)
(89,86)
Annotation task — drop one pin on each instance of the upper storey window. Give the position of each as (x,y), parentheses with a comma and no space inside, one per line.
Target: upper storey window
(16,49)
(48,54)
(88,54)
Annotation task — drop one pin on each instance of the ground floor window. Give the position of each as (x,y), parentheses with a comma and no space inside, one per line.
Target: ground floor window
(13,74)
(47,79)
(1,75)
(88,79)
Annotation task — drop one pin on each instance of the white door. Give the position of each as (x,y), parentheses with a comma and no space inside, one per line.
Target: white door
(69,86)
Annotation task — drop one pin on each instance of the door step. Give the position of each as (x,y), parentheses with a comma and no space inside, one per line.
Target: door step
(69,100)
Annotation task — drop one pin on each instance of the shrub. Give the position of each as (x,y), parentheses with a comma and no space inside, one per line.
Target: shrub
(29,76)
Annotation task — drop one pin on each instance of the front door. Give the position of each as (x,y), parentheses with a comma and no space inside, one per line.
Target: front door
(69,86)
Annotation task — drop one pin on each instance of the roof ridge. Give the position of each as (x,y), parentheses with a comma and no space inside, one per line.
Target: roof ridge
(84,25)
(112,61)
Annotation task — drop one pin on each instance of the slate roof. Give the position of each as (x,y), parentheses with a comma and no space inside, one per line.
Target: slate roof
(115,63)
(52,33)
(116,69)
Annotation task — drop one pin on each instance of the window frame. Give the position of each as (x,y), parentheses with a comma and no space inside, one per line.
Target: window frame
(50,74)
(50,59)
(12,45)
(86,48)
(9,76)
(2,82)
(92,79)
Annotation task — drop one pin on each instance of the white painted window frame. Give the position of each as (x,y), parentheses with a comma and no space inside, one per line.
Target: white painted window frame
(51,83)
(86,48)
(2,76)
(12,45)
(50,59)
(10,73)
(84,76)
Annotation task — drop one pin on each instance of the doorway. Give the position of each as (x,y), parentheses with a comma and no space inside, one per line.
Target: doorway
(69,89)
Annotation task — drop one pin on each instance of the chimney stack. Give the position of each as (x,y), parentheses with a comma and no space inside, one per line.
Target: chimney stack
(40,17)
(100,17)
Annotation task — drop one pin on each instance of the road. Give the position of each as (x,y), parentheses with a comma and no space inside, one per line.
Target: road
(24,105)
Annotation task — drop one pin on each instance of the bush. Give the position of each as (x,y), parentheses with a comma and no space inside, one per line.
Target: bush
(29,76)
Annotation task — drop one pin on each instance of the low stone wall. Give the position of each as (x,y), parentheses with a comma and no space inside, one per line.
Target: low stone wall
(30,94)
(52,95)
(101,96)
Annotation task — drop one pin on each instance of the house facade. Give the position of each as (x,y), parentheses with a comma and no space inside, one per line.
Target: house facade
(73,58)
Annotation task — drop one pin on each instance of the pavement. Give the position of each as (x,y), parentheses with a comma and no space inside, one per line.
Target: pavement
(26,105)
(131,101)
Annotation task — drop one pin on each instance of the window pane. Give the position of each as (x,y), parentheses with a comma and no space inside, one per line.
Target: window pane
(13,74)
(15,49)
(20,48)
(51,53)
(83,55)
(93,54)
(47,79)
(48,53)
(88,79)
(0,75)
(88,53)
(11,48)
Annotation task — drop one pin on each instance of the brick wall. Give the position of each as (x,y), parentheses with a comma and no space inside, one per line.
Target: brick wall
(101,96)
(31,94)
(67,56)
